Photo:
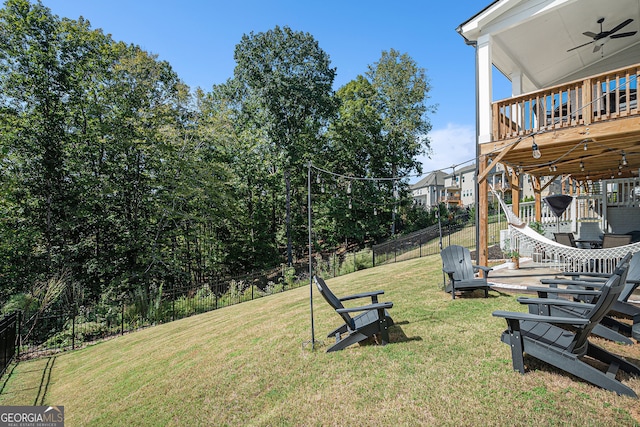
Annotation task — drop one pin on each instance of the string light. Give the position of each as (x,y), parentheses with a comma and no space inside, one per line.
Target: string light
(624,159)
(536,151)
(581,166)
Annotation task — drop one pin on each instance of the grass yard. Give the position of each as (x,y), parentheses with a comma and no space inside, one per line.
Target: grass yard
(251,364)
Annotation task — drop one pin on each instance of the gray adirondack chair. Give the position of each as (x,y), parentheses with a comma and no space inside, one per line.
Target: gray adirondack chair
(373,320)
(547,339)
(456,262)
(609,327)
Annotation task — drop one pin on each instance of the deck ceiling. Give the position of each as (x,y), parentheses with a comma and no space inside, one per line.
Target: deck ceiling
(533,37)
(612,151)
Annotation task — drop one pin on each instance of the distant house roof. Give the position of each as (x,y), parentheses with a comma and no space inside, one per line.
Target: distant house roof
(466,169)
(433,179)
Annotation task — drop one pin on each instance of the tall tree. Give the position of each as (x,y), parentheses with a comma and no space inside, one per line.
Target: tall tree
(402,90)
(380,129)
(286,78)
(35,80)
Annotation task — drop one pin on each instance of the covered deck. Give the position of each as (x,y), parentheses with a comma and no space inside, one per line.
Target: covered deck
(573,114)
(586,133)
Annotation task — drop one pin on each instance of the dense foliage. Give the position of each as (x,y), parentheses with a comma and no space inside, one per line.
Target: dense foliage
(117,179)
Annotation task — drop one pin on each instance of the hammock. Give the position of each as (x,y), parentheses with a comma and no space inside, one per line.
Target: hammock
(566,258)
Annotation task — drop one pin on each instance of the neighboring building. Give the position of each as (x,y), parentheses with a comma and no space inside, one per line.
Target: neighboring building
(429,190)
(458,188)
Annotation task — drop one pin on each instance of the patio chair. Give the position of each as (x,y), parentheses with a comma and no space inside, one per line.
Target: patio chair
(456,262)
(615,240)
(374,321)
(547,338)
(621,308)
(566,239)
(586,292)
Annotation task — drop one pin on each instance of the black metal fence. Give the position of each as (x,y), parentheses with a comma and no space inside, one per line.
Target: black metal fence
(8,329)
(50,331)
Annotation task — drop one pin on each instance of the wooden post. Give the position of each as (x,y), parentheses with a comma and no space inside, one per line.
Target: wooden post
(483,212)
(515,193)
(535,181)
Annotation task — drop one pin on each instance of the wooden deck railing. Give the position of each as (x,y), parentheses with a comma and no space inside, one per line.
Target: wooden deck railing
(601,97)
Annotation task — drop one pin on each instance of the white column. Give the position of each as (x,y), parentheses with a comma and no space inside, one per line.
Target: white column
(484,88)
(516,83)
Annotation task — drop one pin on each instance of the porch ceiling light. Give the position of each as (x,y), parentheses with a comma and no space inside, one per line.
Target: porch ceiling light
(536,151)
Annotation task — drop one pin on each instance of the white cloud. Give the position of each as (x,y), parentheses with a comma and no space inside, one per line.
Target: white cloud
(454,145)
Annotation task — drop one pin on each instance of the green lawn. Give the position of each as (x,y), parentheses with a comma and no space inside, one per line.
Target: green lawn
(251,364)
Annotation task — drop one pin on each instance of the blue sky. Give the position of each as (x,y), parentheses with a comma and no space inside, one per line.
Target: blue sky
(198,37)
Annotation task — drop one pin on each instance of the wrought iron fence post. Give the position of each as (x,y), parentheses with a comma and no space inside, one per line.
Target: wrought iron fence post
(73,330)
(122,319)
(334,263)
(373,257)
(19,337)
(173,303)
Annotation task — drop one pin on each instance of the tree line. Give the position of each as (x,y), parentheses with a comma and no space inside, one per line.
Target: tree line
(117,177)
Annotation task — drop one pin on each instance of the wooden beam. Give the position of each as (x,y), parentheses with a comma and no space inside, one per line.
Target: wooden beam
(483,212)
(482,176)
(544,187)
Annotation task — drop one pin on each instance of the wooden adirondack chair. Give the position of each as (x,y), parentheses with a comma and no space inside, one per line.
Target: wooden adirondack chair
(544,338)
(456,262)
(373,321)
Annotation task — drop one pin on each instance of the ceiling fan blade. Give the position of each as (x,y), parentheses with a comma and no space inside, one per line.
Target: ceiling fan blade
(597,47)
(582,45)
(590,34)
(618,36)
(620,26)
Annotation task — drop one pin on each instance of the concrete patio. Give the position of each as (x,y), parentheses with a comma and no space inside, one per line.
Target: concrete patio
(529,274)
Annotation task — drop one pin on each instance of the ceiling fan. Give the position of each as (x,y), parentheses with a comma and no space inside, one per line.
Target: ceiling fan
(600,38)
